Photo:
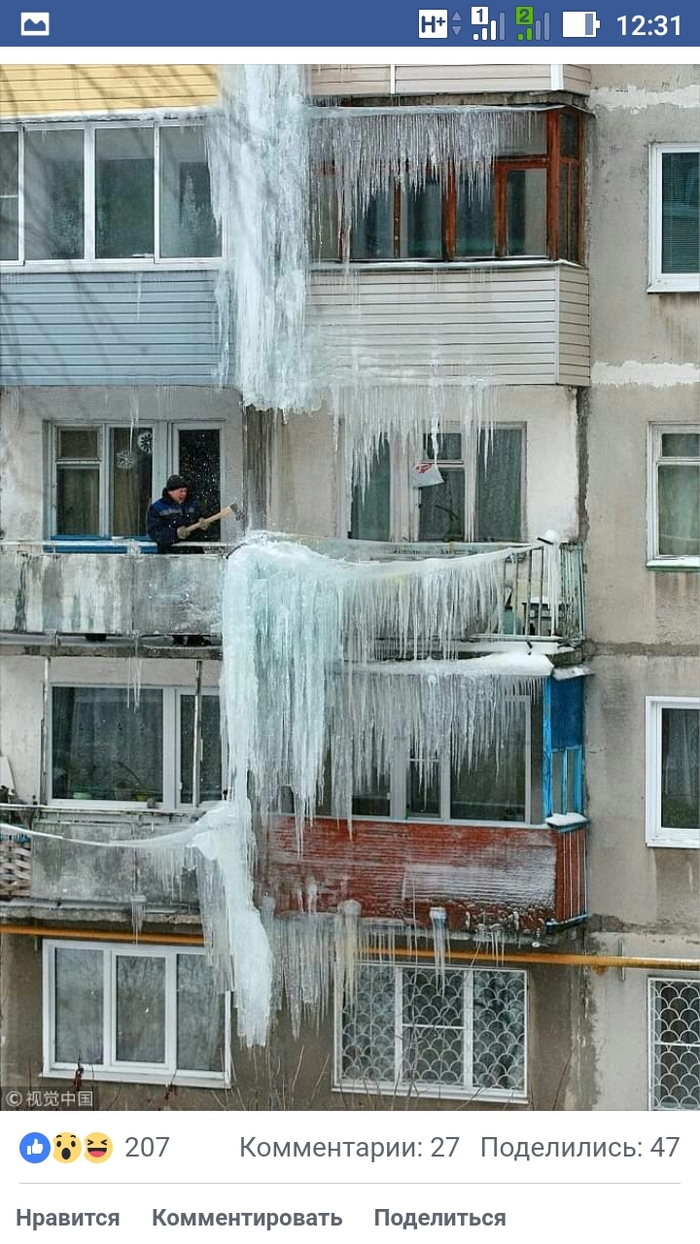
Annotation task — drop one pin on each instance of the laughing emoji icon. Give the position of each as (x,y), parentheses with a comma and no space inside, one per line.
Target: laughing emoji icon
(98,1147)
(66,1147)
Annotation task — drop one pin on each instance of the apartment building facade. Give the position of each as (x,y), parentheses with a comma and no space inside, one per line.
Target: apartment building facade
(442,284)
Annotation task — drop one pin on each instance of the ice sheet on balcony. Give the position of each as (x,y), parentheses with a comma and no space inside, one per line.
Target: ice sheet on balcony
(301,635)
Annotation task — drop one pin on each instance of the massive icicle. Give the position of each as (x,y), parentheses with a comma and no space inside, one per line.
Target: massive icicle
(259,169)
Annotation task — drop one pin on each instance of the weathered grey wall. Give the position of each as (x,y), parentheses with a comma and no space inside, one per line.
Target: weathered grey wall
(308,488)
(26,412)
(645,348)
(289,1074)
(632,885)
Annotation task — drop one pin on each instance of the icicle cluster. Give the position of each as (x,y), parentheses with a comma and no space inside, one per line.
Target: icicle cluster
(262,143)
(302,633)
(365,151)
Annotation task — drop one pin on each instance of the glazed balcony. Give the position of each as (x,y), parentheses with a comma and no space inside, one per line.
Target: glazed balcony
(124,592)
(523,878)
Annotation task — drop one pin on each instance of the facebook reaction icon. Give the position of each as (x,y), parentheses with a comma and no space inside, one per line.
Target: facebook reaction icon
(35,1147)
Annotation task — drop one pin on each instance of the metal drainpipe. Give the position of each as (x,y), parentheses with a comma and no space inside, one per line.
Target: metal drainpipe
(196,732)
(44,743)
(597,962)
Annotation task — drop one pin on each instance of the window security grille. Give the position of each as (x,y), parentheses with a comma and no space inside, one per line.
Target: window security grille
(674,1034)
(404,1032)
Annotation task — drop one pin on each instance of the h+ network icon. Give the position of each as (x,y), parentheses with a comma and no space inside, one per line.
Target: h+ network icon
(432,23)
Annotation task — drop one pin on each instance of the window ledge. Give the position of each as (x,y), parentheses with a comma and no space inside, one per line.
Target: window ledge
(450,265)
(674,564)
(427,1092)
(70,266)
(686,840)
(566,820)
(681,283)
(124,1076)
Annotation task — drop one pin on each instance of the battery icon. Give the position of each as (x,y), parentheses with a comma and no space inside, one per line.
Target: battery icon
(580,25)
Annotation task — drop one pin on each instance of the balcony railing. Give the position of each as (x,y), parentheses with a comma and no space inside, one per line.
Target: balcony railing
(15,866)
(524,589)
(61,865)
(522,878)
(47,592)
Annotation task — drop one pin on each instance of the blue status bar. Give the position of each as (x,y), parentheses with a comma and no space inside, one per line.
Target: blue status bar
(362,24)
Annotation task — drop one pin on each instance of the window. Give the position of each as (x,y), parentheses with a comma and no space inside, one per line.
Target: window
(108,748)
(673,772)
(497,787)
(106,476)
(139,1014)
(674,217)
(674,510)
(403,1032)
(674,1044)
(9,196)
(530,207)
(479,500)
(105,191)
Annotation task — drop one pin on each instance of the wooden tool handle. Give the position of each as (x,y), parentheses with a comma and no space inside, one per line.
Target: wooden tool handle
(184,532)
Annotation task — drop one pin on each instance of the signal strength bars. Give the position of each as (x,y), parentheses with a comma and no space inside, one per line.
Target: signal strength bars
(489,29)
(531,29)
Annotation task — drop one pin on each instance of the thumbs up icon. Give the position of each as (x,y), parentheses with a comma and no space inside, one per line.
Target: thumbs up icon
(34,1147)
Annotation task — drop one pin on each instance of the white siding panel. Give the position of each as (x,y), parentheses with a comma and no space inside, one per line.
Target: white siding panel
(573,362)
(499,322)
(457,79)
(351,80)
(577,79)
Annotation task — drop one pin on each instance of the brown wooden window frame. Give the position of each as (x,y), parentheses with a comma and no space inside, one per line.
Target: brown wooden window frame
(556,165)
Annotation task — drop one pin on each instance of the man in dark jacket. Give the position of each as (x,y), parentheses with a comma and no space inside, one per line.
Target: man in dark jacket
(171,511)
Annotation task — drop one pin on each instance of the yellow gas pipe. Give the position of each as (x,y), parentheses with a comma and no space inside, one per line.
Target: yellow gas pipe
(597,962)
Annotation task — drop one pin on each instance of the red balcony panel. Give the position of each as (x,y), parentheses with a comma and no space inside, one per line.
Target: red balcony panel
(520,876)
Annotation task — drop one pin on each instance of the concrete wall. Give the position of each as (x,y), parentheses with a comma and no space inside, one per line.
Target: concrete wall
(289,1074)
(308,479)
(633,886)
(644,623)
(24,414)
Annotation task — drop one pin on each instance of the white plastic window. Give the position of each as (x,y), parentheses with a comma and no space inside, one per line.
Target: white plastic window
(108,750)
(674,503)
(106,192)
(674,217)
(673,772)
(140,1014)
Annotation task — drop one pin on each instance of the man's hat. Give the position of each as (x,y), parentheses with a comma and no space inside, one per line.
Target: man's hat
(174,482)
